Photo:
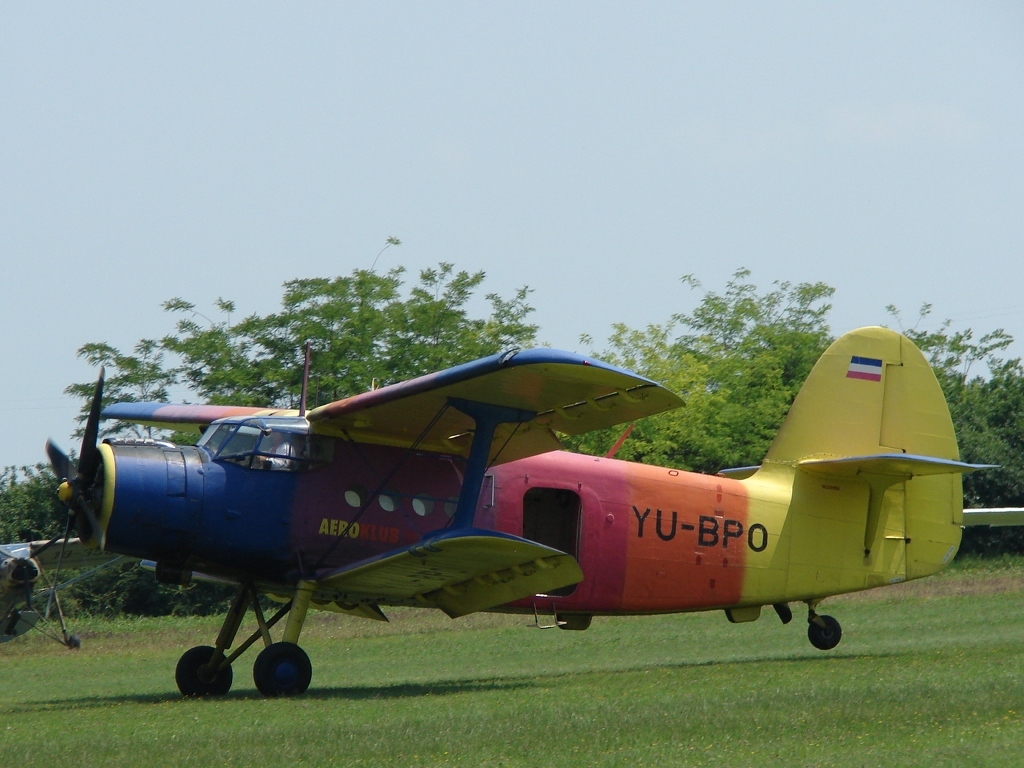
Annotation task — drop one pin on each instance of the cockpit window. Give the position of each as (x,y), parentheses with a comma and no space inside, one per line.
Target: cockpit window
(286,451)
(273,444)
(242,441)
(214,436)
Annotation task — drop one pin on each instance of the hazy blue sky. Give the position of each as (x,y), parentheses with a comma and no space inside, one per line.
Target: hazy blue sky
(594,151)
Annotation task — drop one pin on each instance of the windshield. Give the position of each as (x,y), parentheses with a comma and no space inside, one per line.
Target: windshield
(214,436)
(263,443)
(242,440)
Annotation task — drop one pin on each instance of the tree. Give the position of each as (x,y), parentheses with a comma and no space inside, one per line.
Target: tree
(738,361)
(988,416)
(361,329)
(29,508)
(129,378)
(127,589)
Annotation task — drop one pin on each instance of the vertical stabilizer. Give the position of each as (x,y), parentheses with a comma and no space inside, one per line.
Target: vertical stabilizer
(871,392)
(870,399)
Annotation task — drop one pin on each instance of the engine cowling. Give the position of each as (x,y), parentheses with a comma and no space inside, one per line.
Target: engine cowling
(152,499)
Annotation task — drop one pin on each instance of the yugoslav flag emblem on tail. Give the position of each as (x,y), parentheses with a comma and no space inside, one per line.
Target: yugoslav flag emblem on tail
(867,368)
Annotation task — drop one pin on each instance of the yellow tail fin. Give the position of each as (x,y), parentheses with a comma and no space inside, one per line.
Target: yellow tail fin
(872,412)
(871,392)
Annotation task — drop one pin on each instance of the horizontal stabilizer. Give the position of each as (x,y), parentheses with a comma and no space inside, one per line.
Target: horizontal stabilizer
(739,473)
(459,572)
(889,464)
(996,516)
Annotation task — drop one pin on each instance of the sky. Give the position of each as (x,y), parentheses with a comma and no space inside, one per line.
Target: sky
(594,151)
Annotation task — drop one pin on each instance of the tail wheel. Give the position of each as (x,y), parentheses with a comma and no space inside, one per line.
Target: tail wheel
(826,637)
(194,676)
(282,669)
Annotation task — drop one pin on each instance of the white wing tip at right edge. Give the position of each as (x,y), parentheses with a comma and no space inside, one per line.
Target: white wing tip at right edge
(994,516)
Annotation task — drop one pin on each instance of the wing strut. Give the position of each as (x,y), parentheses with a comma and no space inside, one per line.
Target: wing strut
(488,418)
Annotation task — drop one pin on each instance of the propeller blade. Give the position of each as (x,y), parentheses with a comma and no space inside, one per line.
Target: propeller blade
(89,456)
(75,494)
(94,524)
(62,466)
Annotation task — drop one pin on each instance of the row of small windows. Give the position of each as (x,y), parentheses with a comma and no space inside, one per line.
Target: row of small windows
(390,501)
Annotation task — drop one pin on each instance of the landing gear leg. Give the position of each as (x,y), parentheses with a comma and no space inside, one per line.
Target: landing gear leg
(823,631)
(284,669)
(785,613)
(206,671)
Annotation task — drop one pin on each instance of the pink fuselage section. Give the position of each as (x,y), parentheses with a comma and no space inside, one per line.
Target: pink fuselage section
(648,539)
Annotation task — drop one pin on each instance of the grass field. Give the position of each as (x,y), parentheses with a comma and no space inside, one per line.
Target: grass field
(928,674)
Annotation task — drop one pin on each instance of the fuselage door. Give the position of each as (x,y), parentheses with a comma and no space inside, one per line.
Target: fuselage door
(551,516)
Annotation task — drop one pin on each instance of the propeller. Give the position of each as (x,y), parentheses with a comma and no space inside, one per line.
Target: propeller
(77,482)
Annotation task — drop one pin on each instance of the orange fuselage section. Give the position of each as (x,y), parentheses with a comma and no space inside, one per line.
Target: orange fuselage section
(648,539)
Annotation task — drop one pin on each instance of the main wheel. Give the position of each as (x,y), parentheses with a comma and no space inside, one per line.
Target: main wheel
(282,669)
(194,677)
(825,638)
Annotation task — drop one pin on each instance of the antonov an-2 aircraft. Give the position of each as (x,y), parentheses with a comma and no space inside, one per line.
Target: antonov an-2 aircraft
(449,491)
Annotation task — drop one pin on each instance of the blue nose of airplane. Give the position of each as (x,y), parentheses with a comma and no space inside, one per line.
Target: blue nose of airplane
(156,499)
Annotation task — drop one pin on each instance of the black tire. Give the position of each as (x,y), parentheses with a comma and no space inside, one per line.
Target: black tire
(194,678)
(282,669)
(825,638)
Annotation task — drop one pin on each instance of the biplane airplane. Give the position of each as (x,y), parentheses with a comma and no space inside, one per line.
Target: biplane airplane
(23,585)
(449,491)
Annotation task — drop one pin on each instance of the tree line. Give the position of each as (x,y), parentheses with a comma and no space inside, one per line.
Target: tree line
(738,359)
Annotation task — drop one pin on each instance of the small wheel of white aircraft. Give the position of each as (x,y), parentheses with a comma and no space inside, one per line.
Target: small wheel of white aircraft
(827,637)
(194,677)
(282,669)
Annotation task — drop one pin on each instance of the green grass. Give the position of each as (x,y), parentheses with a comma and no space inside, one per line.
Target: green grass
(928,674)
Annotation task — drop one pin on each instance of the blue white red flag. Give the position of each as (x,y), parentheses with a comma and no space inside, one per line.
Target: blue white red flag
(867,368)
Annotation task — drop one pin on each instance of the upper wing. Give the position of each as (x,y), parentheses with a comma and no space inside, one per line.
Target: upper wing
(460,573)
(569,393)
(184,418)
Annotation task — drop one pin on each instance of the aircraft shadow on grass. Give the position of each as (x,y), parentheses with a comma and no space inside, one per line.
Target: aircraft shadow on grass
(441,688)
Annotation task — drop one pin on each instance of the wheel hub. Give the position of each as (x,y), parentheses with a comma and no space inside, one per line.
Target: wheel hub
(286,674)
